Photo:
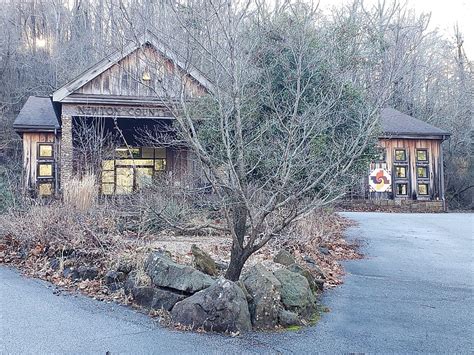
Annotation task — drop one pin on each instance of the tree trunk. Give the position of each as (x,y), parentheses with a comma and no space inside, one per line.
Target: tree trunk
(238,255)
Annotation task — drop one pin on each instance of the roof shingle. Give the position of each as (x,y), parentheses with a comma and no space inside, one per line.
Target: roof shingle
(37,113)
(396,123)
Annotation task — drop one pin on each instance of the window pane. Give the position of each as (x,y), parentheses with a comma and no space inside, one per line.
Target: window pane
(45,188)
(400,155)
(46,150)
(421,155)
(160,153)
(421,171)
(128,153)
(147,153)
(423,189)
(108,189)
(401,189)
(108,176)
(400,171)
(160,164)
(135,162)
(45,169)
(108,165)
(144,176)
(124,177)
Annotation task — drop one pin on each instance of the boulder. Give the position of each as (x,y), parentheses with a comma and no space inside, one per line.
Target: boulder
(113,276)
(287,318)
(125,266)
(71,273)
(164,272)
(284,257)
(311,263)
(166,299)
(156,298)
(130,282)
(296,295)
(221,307)
(114,279)
(202,261)
(87,272)
(315,284)
(264,289)
(143,296)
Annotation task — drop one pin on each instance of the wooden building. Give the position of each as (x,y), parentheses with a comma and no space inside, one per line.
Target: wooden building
(136,87)
(410,166)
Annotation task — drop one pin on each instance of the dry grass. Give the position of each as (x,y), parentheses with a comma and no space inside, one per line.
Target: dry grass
(81,231)
(81,192)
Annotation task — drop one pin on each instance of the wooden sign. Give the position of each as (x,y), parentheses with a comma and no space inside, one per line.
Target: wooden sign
(117,111)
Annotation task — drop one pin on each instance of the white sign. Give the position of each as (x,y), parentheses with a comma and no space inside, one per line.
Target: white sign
(380,180)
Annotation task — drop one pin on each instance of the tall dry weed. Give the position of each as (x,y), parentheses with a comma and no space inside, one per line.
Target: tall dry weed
(81,192)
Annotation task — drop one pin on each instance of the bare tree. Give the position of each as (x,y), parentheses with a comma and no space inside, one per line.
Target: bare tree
(285,130)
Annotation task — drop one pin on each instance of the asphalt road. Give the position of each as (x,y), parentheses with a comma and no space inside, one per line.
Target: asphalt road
(413,293)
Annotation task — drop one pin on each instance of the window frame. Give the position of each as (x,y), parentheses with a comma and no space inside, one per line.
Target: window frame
(427,184)
(426,168)
(400,160)
(44,182)
(38,168)
(405,168)
(401,180)
(426,154)
(401,183)
(422,180)
(38,151)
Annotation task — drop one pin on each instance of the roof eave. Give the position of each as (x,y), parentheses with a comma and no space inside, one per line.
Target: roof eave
(407,135)
(32,128)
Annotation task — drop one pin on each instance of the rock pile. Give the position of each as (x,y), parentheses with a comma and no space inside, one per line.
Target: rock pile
(262,299)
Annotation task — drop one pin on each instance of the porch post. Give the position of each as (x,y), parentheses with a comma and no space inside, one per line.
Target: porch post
(66,150)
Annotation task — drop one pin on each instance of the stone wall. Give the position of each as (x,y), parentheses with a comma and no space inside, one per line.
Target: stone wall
(397,205)
(65,168)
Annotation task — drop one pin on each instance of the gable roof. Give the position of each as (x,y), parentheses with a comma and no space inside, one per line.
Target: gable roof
(39,114)
(147,39)
(396,123)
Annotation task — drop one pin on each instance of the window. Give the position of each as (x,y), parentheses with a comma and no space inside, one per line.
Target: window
(402,189)
(401,171)
(45,188)
(45,170)
(160,164)
(421,155)
(421,171)
(400,155)
(108,177)
(423,189)
(381,154)
(45,150)
(128,152)
(131,169)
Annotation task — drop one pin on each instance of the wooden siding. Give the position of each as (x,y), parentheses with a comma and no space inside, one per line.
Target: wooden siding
(30,159)
(434,164)
(125,77)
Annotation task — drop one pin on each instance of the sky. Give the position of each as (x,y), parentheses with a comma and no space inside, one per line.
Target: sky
(444,15)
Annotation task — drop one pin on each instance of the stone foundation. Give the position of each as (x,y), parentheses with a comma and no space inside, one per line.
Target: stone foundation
(393,205)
